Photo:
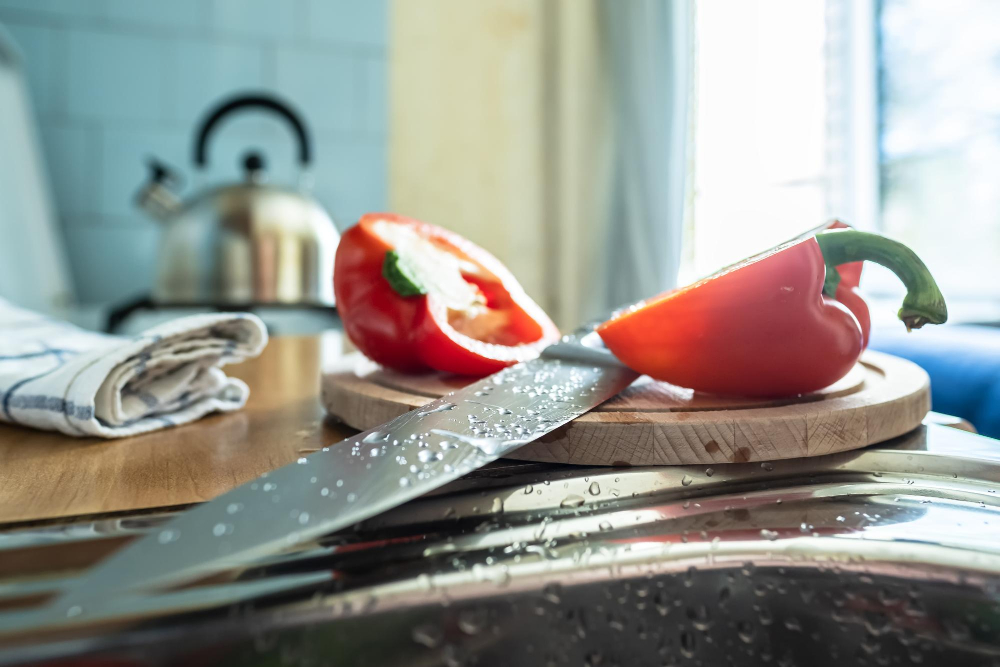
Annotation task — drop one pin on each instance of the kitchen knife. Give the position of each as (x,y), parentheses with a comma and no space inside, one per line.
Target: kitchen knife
(362,476)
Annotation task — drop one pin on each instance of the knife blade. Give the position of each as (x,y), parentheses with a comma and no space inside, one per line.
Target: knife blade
(363,475)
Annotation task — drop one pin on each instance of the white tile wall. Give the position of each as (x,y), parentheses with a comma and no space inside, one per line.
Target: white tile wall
(69,151)
(209,70)
(115,82)
(267,19)
(117,77)
(348,22)
(329,103)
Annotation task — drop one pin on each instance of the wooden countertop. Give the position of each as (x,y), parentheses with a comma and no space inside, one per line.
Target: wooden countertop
(48,475)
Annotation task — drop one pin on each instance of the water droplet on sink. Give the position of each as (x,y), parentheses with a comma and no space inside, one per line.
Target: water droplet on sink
(572,501)
(472,621)
(428,635)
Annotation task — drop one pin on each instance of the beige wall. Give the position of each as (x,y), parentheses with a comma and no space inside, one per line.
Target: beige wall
(498,130)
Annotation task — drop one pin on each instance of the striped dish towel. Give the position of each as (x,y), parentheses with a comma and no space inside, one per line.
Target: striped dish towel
(58,377)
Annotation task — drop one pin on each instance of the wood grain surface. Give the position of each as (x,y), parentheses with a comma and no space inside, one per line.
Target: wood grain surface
(47,475)
(654,423)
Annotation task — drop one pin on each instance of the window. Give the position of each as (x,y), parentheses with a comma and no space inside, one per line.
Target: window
(885,114)
(939,97)
(759,129)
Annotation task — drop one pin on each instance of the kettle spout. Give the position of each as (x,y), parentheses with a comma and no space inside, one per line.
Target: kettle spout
(157,197)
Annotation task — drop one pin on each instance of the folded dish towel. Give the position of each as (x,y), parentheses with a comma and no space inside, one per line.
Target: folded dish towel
(58,377)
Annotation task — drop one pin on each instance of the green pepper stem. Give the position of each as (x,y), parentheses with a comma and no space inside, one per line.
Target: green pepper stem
(923,302)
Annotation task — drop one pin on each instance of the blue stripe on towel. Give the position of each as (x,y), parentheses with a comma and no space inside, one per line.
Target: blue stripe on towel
(34,355)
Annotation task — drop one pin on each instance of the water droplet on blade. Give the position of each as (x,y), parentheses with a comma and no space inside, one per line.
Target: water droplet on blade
(167,536)
(221,529)
(444,407)
(428,456)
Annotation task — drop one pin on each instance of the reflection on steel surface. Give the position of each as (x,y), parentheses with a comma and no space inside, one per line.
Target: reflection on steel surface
(889,555)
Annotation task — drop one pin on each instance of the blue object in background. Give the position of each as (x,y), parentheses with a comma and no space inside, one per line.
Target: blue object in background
(963,362)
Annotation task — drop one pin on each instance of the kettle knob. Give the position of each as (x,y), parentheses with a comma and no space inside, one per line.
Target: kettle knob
(253,165)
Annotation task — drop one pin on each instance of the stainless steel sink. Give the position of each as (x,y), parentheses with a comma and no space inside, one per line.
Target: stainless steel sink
(885,556)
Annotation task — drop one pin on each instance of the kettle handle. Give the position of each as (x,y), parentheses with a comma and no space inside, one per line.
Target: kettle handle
(259,101)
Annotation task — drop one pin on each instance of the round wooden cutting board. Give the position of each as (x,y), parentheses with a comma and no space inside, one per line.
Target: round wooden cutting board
(655,423)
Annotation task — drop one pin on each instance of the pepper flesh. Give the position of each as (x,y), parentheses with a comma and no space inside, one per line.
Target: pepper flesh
(763,327)
(416,297)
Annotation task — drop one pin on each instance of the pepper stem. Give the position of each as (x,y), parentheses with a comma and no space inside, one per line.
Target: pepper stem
(923,303)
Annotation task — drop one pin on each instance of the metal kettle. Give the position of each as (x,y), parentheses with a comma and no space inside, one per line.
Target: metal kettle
(241,244)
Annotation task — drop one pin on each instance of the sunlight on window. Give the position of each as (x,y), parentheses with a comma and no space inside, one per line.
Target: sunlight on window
(940,73)
(759,129)
(799,117)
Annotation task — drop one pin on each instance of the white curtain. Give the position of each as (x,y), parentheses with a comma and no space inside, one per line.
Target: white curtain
(650,51)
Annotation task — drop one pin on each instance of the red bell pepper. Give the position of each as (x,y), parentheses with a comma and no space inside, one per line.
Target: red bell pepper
(763,327)
(415,297)
(842,284)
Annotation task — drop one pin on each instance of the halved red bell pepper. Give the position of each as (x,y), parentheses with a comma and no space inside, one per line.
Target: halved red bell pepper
(416,297)
(764,327)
